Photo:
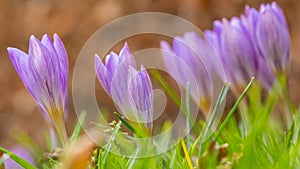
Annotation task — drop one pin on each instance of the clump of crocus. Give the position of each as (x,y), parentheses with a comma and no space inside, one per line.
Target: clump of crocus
(188,62)
(272,40)
(131,90)
(269,31)
(271,36)
(44,72)
(236,51)
(255,44)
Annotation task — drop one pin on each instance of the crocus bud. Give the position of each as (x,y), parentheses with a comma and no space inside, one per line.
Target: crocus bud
(130,89)
(188,61)
(141,95)
(272,37)
(44,72)
(236,52)
(113,76)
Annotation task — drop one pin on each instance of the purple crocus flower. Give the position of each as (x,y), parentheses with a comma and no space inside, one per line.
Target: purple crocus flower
(272,36)
(113,76)
(271,39)
(141,95)
(128,88)
(236,50)
(265,75)
(188,62)
(21,152)
(114,65)
(44,72)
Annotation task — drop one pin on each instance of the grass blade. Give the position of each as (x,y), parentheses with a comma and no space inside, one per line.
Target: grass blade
(236,105)
(188,116)
(18,159)
(78,127)
(167,87)
(125,123)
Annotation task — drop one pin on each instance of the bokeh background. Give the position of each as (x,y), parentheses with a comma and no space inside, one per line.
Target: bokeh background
(76,20)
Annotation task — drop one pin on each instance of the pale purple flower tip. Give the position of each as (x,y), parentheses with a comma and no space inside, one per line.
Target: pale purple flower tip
(236,50)
(272,37)
(141,95)
(113,76)
(44,72)
(190,61)
(130,89)
(21,152)
(269,33)
(114,64)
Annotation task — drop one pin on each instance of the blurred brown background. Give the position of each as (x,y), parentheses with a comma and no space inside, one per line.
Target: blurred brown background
(75,21)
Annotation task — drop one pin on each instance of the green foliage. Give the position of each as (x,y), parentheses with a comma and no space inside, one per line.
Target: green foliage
(18,159)
(264,142)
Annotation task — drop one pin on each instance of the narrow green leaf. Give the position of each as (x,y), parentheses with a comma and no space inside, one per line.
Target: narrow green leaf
(109,145)
(236,105)
(78,127)
(172,163)
(207,127)
(188,116)
(48,142)
(167,87)
(212,118)
(28,143)
(99,158)
(132,160)
(209,124)
(125,123)
(18,159)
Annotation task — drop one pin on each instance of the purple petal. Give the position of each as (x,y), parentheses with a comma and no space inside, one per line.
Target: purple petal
(101,73)
(198,66)
(112,62)
(20,151)
(237,52)
(126,56)
(172,61)
(212,53)
(61,52)
(47,42)
(119,89)
(273,40)
(46,74)
(140,94)
(20,61)
(265,75)
(63,61)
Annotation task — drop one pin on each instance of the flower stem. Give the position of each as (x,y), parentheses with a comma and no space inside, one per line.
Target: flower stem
(59,126)
(283,81)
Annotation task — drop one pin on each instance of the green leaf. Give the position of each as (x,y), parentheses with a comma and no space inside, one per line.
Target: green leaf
(48,142)
(207,127)
(233,109)
(18,159)
(29,144)
(188,116)
(78,127)
(125,123)
(167,87)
